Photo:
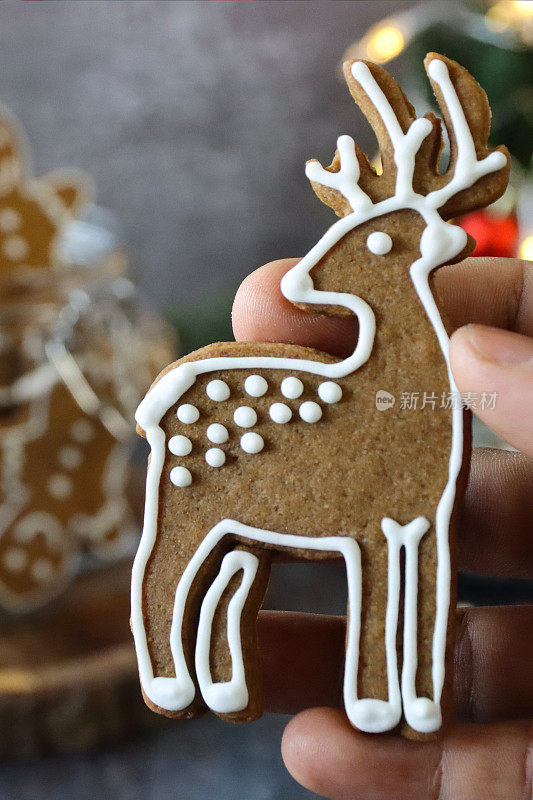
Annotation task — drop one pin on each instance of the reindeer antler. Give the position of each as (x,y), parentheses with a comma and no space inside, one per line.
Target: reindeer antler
(342,176)
(410,148)
(476,175)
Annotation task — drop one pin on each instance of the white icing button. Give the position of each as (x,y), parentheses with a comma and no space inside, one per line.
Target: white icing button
(217,390)
(291,388)
(15,248)
(255,386)
(180,445)
(310,412)
(379,243)
(42,570)
(9,220)
(217,433)
(245,417)
(70,457)
(280,413)
(59,486)
(215,457)
(15,559)
(329,392)
(82,431)
(180,476)
(252,442)
(188,414)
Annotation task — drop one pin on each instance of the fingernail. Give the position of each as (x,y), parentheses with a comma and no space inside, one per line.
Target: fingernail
(501,347)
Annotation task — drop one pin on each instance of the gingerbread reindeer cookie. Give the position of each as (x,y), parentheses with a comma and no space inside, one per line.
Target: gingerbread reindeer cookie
(258,449)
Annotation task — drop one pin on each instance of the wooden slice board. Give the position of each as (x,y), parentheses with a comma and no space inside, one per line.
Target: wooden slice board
(68,677)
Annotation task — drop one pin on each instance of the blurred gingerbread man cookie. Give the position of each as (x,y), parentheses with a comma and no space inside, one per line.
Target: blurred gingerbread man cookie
(63,465)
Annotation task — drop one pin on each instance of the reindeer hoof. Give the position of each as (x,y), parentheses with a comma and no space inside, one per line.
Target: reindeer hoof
(225,698)
(374,716)
(423,715)
(171,694)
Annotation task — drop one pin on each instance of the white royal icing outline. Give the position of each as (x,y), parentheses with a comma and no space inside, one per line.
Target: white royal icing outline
(440,242)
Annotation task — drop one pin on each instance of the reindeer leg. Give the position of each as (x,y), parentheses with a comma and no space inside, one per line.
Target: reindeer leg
(226,641)
(422,713)
(170,693)
(374,715)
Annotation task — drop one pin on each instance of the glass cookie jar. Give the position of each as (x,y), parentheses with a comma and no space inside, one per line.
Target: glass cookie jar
(77,352)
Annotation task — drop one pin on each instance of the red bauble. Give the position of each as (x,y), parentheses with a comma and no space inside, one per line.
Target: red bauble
(495,234)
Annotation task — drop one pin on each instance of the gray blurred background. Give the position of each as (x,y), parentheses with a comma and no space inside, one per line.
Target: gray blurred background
(195,120)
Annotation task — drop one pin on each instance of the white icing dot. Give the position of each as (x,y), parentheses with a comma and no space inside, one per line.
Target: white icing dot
(310,412)
(215,457)
(188,413)
(280,413)
(255,386)
(42,570)
(59,486)
(379,243)
(217,390)
(180,445)
(291,388)
(82,431)
(245,417)
(252,442)
(15,248)
(180,476)
(15,559)
(9,220)
(70,457)
(329,392)
(217,433)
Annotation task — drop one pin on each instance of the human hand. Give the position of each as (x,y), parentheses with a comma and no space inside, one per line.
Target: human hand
(487,753)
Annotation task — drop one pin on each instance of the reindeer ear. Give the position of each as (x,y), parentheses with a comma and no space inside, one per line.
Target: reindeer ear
(473,103)
(14,152)
(73,188)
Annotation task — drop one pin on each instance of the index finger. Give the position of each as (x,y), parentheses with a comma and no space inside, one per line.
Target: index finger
(488,291)
(494,291)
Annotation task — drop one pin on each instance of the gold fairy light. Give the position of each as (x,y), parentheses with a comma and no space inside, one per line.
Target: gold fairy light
(525,250)
(506,23)
(384,43)
(513,15)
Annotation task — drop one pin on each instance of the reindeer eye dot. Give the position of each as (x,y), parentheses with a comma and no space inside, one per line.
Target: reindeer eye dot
(379,243)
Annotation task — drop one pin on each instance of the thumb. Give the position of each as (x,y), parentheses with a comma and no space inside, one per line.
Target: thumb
(492,362)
